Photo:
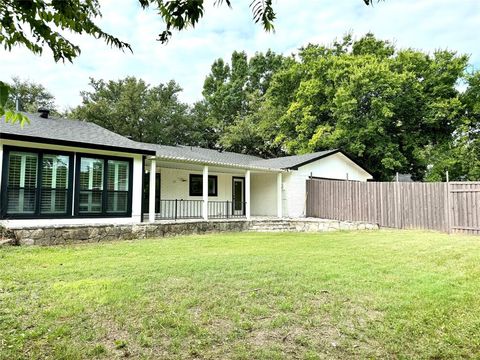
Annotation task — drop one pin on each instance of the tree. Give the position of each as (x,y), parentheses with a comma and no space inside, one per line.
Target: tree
(31,96)
(381,105)
(232,92)
(133,108)
(254,133)
(461,156)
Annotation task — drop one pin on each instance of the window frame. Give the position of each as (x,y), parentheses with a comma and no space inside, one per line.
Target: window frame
(37,214)
(200,176)
(104,213)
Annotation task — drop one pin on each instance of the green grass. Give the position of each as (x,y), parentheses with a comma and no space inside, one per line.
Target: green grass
(387,294)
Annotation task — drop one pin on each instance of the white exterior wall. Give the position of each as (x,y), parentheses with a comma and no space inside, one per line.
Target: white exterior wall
(264,194)
(174,184)
(136,187)
(336,166)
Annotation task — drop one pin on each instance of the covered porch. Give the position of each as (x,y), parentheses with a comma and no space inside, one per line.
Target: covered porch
(177,190)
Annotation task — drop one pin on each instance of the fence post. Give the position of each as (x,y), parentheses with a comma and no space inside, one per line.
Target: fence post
(176,201)
(448,203)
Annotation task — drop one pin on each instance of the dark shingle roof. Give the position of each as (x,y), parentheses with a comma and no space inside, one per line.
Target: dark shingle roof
(69,132)
(85,134)
(196,154)
(202,155)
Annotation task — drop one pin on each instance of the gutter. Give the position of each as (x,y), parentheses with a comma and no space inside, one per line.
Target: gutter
(78,144)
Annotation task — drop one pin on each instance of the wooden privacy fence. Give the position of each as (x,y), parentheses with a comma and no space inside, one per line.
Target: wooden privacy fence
(449,207)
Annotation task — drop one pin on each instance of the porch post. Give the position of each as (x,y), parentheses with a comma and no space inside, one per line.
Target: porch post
(205,193)
(247,194)
(279,196)
(151,201)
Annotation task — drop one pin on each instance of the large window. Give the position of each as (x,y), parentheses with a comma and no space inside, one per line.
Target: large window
(104,186)
(196,185)
(38,184)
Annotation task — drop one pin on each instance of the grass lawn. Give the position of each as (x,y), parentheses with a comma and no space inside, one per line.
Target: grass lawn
(386,294)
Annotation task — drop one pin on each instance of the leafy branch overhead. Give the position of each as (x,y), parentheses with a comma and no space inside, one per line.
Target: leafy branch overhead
(180,14)
(40,24)
(36,24)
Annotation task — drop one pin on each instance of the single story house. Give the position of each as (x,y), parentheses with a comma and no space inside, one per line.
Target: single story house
(59,171)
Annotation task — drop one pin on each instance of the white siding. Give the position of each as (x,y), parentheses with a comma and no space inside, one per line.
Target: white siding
(175,185)
(336,166)
(264,194)
(137,188)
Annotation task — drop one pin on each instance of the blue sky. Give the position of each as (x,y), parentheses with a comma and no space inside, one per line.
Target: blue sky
(420,24)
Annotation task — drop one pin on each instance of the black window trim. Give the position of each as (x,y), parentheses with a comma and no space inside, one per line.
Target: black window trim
(73,185)
(215,193)
(7,149)
(103,213)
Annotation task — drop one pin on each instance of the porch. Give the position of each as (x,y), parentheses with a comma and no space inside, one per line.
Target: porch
(176,190)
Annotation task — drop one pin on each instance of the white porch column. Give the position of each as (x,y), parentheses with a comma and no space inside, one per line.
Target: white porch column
(279,196)
(205,193)
(151,199)
(247,194)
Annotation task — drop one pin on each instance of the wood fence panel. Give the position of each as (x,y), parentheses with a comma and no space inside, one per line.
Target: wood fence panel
(465,207)
(449,207)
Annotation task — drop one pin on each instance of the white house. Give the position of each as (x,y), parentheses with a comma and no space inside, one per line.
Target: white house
(58,171)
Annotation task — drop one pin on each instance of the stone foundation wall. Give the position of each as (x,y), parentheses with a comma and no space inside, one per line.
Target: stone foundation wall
(57,235)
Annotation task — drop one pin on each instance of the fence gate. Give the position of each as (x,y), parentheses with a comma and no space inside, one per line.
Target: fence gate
(449,207)
(465,204)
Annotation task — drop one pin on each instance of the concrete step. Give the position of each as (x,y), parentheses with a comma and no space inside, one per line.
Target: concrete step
(272,226)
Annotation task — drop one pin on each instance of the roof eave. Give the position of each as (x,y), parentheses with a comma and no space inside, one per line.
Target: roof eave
(216,163)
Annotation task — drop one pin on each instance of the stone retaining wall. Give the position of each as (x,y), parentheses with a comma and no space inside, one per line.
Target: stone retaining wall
(322,225)
(56,235)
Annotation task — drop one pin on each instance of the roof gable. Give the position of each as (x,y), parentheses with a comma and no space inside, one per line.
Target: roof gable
(295,161)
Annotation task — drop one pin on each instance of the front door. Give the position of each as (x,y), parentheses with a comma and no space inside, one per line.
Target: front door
(238,196)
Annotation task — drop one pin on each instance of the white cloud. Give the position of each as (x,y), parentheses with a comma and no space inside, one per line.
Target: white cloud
(426,24)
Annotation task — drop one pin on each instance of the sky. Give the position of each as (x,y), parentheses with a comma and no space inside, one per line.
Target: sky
(421,24)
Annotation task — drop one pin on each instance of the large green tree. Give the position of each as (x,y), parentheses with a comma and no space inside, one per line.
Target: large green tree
(145,113)
(233,97)
(381,105)
(31,96)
